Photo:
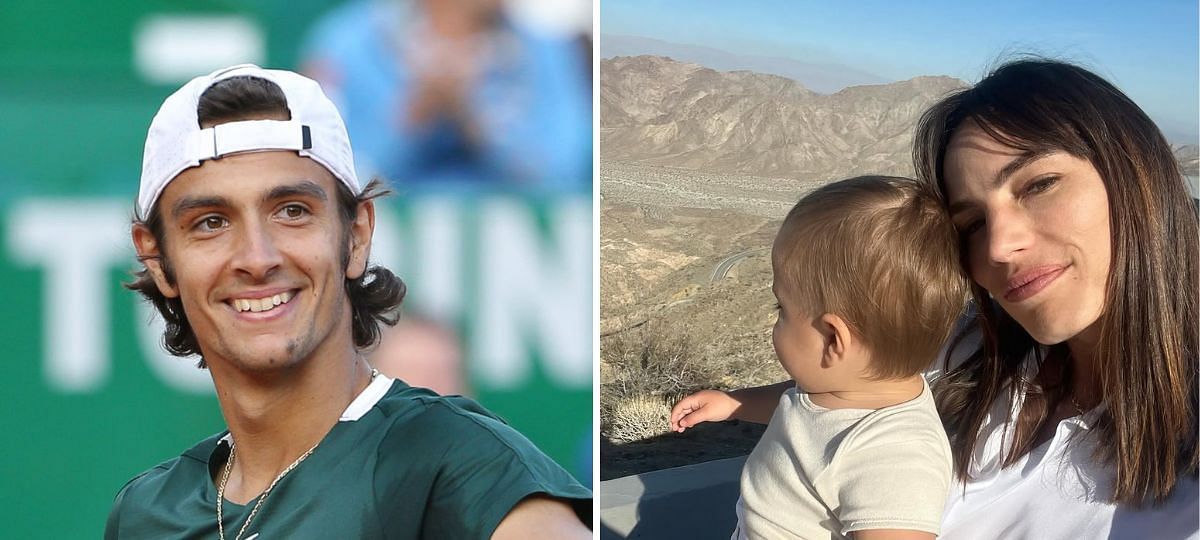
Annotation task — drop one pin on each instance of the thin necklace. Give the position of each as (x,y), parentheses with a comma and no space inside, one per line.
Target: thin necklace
(263,497)
(1074,402)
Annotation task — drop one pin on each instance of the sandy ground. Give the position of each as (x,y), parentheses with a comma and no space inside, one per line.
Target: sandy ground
(668,325)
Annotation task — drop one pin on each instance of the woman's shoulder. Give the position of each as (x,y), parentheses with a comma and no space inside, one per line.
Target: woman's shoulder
(965,338)
(965,341)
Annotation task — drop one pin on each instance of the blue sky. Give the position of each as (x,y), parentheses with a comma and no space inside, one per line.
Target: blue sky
(1150,49)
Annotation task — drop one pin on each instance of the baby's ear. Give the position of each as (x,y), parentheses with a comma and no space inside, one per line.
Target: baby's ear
(839,340)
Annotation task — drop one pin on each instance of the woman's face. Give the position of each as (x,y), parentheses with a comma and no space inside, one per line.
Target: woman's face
(1035,232)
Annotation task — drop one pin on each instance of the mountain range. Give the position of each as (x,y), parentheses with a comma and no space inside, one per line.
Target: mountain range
(820,77)
(660,111)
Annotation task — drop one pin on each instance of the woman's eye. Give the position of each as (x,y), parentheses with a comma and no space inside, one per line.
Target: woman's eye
(971,227)
(1040,185)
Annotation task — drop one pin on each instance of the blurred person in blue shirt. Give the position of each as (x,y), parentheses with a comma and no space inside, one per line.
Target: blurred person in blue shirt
(454,94)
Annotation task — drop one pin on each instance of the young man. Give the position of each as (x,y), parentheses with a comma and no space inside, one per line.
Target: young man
(255,234)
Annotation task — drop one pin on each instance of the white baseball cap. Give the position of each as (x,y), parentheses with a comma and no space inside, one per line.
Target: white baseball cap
(176,142)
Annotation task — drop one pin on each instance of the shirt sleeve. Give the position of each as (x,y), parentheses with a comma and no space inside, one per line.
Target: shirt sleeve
(112,529)
(113,526)
(483,469)
(898,481)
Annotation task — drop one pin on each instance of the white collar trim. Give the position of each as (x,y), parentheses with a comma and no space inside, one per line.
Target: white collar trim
(359,407)
(367,399)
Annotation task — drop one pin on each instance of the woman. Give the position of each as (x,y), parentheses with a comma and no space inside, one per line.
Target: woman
(1074,412)
(1070,394)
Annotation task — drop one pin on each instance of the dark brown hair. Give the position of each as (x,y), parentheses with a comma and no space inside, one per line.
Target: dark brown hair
(879,252)
(1146,354)
(375,297)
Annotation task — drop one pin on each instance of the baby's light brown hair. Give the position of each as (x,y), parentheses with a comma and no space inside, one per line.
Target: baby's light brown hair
(881,253)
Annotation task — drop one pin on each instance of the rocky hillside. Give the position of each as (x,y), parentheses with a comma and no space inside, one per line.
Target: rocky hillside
(658,111)
(1189,158)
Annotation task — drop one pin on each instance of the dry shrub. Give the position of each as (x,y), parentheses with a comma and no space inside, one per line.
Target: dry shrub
(638,418)
(646,362)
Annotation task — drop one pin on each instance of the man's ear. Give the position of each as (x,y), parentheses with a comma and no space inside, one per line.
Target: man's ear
(361,230)
(839,340)
(150,253)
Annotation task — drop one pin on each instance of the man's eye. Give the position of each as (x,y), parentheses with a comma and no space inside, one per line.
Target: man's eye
(211,223)
(293,211)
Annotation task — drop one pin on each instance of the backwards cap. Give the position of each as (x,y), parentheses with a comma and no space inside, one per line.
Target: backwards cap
(176,142)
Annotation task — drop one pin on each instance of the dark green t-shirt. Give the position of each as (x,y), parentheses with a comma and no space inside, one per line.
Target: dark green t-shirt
(415,465)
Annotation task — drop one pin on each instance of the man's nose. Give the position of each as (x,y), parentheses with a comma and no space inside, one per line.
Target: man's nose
(257,254)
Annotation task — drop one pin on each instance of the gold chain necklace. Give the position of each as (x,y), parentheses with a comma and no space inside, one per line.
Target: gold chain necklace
(263,497)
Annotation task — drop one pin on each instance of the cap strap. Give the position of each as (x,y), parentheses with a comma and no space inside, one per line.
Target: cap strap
(248,135)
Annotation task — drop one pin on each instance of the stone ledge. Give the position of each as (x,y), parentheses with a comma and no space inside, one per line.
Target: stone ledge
(693,501)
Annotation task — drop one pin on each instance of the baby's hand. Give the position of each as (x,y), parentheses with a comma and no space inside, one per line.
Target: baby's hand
(703,406)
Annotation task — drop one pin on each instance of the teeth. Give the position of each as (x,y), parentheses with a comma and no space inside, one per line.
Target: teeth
(258,305)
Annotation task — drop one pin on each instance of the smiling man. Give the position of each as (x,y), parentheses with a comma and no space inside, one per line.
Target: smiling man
(255,235)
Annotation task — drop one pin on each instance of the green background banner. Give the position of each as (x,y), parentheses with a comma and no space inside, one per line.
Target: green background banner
(90,399)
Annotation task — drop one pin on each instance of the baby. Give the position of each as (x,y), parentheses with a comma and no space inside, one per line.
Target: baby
(868,283)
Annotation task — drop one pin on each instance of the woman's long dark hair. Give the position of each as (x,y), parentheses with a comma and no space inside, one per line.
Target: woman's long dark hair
(1146,357)
(375,297)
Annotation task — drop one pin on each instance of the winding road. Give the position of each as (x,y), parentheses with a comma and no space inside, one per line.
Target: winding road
(723,267)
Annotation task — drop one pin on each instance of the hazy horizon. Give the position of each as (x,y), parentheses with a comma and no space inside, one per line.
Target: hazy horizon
(1149,50)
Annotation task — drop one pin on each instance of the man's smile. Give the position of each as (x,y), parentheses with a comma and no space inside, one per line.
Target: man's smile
(263,302)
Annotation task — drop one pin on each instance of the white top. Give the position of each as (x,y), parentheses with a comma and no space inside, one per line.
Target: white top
(822,473)
(1057,491)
